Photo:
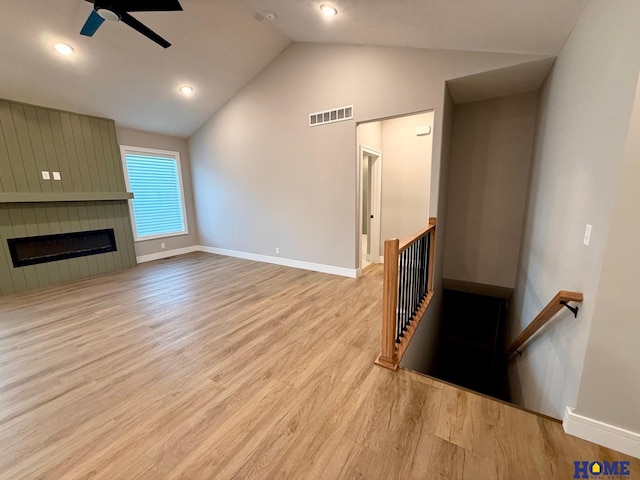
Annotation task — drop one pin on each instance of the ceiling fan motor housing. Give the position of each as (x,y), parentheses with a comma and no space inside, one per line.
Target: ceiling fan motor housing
(106,11)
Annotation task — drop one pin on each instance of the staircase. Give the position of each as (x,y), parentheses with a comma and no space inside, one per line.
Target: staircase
(471,343)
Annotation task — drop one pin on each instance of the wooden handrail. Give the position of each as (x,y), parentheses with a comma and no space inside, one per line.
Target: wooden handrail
(394,343)
(548,312)
(417,235)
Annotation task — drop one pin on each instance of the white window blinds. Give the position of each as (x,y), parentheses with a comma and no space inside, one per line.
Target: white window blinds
(158,204)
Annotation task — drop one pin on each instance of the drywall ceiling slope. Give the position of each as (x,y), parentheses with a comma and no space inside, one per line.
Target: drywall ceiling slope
(525,77)
(218,47)
(511,26)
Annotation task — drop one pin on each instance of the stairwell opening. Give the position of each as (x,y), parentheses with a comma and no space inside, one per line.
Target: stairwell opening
(488,156)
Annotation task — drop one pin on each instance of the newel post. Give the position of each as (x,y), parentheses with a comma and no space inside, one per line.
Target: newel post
(388,357)
(432,253)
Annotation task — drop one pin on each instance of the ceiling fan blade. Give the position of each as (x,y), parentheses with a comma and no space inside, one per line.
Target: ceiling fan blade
(143,29)
(92,24)
(152,6)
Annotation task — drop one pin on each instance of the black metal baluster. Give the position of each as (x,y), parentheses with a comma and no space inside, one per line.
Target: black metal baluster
(400,300)
(401,303)
(416,286)
(419,286)
(407,299)
(410,284)
(417,280)
(428,260)
(423,270)
(404,292)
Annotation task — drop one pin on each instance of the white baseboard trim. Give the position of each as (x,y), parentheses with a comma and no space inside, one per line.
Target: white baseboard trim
(316,267)
(601,433)
(167,253)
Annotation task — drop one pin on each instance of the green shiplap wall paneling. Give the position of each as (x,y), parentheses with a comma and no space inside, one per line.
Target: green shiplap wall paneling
(84,149)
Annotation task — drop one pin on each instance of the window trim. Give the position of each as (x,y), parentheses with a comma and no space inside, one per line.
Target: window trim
(129,149)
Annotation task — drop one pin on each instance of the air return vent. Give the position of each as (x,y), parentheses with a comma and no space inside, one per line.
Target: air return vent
(331,116)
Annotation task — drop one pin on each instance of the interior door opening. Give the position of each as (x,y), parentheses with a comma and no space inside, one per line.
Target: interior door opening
(370,181)
(393,182)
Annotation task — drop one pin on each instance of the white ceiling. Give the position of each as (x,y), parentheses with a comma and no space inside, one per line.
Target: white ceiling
(521,78)
(514,26)
(218,47)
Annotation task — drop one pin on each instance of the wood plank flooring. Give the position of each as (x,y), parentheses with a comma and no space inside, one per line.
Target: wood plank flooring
(206,367)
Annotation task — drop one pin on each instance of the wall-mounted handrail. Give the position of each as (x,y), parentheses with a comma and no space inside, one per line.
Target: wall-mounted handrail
(548,312)
(407,291)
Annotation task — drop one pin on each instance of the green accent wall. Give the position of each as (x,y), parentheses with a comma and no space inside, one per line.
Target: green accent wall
(91,194)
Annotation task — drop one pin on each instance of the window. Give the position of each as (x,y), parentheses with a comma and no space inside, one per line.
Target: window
(154,177)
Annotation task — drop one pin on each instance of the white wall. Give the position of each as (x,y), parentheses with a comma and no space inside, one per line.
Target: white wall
(610,387)
(490,165)
(583,122)
(421,353)
(406,176)
(264,179)
(139,138)
(369,135)
(406,172)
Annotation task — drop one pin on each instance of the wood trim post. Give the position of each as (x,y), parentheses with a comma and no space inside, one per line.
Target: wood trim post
(388,357)
(432,253)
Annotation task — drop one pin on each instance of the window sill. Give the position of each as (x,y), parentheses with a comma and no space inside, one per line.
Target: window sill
(157,237)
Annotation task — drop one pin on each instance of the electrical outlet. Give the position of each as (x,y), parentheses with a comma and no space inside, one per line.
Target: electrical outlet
(277,251)
(587,235)
(45,175)
(163,245)
(56,176)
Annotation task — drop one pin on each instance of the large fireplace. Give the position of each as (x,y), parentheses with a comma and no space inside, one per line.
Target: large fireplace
(49,248)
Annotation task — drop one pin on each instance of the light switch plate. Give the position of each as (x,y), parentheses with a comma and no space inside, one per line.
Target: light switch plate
(56,176)
(587,235)
(45,175)
(422,130)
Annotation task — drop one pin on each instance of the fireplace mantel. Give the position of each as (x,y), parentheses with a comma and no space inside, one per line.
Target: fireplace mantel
(28,197)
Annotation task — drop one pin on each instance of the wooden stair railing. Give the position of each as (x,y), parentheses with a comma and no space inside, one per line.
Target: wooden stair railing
(548,312)
(407,291)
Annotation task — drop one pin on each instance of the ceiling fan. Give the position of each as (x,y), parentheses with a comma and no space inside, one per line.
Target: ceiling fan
(118,10)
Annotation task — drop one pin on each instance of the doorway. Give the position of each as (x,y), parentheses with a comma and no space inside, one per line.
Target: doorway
(393,197)
(370,188)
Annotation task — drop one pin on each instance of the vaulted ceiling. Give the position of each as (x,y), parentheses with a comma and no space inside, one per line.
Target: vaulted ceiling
(217,48)
(511,26)
(220,45)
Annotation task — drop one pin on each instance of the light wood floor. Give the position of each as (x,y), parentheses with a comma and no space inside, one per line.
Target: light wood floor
(205,367)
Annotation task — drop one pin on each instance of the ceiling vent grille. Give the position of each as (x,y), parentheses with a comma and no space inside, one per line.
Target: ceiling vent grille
(331,116)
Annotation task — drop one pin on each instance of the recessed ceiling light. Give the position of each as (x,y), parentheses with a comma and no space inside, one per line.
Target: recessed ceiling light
(328,10)
(269,16)
(186,89)
(63,48)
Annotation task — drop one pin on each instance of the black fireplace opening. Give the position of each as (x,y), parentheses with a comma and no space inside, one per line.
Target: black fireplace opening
(50,248)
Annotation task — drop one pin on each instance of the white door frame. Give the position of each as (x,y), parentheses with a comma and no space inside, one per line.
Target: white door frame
(376,198)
